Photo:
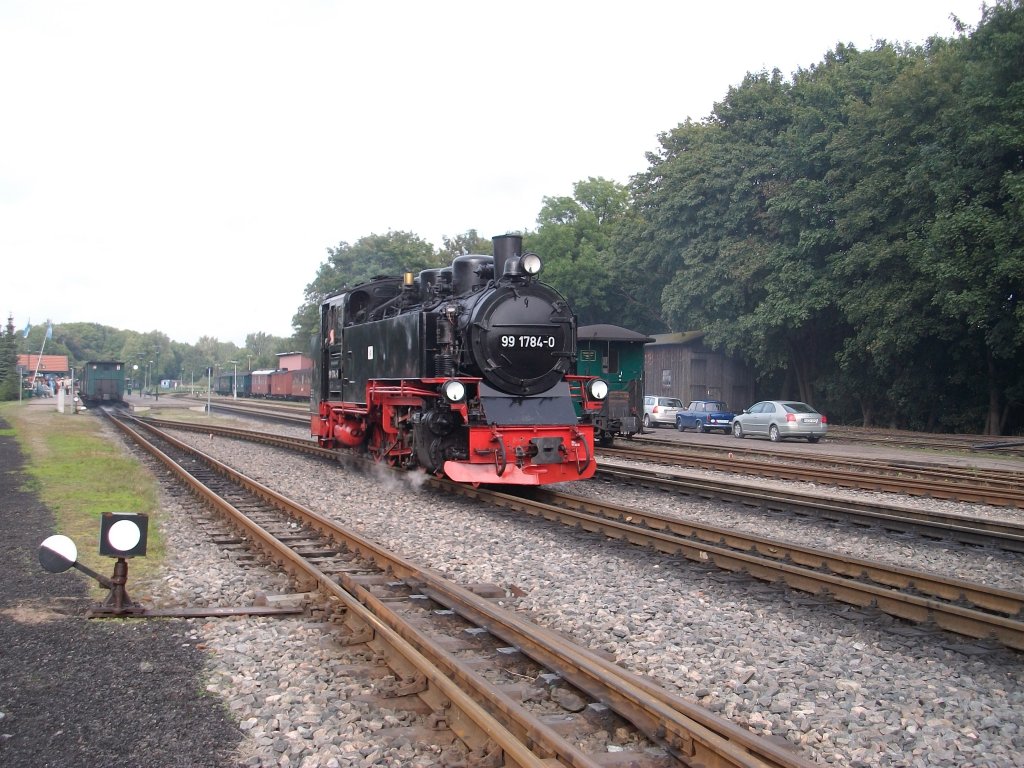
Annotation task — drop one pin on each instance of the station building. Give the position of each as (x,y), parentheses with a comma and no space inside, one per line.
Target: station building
(41,373)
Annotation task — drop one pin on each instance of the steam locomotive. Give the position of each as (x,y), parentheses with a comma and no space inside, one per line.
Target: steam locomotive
(464,371)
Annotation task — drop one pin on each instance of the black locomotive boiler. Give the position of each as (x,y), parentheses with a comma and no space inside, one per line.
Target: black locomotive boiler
(464,371)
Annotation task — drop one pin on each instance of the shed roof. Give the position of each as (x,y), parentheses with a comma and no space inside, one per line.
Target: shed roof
(683,337)
(606,332)
(47,363)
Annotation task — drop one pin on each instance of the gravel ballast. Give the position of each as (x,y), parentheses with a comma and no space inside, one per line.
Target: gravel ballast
(848,686)
(845,686)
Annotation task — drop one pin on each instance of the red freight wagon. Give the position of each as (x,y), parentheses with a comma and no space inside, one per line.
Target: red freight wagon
(301,383)
(281,384)
(261,383)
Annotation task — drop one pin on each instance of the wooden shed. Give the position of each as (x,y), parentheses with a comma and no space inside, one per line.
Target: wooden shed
(679,365)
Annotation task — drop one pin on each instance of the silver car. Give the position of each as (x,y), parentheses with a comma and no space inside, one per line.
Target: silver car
(661,411)
(779,419)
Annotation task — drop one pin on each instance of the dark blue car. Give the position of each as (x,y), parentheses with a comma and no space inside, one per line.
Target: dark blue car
(704,416)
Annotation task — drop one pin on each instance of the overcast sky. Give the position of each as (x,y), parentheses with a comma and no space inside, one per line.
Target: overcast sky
(183,166)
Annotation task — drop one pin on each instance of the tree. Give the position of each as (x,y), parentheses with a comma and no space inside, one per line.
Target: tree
(348,265)
(704,222)
(576,240)
(468,242)
(931,215)
(261,350)
(10,381)
(976,242)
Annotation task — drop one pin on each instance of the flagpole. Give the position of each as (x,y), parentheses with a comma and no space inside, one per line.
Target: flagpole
(39,360)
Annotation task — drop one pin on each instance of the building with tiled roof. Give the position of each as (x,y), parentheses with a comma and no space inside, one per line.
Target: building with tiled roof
(54,364)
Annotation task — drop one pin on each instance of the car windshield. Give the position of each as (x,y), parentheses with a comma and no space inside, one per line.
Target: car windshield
(673,404)
(798,408)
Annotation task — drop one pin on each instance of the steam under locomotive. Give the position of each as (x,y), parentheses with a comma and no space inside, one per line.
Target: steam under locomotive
(464,371)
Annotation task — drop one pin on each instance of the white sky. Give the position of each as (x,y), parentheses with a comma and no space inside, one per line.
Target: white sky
(150,149)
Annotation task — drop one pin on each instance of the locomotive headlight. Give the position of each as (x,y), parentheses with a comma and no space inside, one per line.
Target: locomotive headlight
(531,263)
(453,391)
(597,389)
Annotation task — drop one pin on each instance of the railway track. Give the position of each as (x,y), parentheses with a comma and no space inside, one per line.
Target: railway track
(994,487)
(417,621)
(998,534)
(998,488)
(982,532)
(969,609)
(281,413)
(1013,446)
(966,608)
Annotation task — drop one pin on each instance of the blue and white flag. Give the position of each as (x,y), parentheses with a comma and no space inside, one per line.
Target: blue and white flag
(49,330)
(28,327)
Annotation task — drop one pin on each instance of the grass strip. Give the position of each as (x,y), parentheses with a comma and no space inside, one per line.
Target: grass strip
(79,470)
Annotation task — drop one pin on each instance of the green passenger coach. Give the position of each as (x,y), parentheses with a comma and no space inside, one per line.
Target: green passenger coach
(102,383)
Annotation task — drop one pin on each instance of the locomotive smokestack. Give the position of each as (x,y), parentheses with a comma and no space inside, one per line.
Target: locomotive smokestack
(505,247)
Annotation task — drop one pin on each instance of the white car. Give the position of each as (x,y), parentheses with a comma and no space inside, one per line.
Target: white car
(661,411)
(779,419)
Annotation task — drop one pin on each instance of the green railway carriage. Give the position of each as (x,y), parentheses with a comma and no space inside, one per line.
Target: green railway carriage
(102,382)
(617,356)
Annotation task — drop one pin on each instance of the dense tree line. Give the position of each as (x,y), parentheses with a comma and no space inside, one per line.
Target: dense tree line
(150,357)
(853,232)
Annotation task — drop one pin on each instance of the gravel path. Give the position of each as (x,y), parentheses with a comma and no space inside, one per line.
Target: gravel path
(847,687)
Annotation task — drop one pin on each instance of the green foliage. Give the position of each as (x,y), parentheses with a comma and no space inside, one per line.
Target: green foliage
(857,229)
(469,242)
(81,474)
(576,240)
(9,379)
(348,265)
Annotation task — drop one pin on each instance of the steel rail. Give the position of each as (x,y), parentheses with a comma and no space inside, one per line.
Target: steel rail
(903,467)
(772,560)
(1004,534)
(685,536)
(1005,494)
(693,734)
(351,596)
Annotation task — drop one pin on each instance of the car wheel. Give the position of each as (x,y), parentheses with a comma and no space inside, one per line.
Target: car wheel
(699,426)
(813,438)
(773,434)
(737,429)
(679,425)
(647,421)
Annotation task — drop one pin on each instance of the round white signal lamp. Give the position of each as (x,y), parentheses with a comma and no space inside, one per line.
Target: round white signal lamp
(123,534)
(57,553)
